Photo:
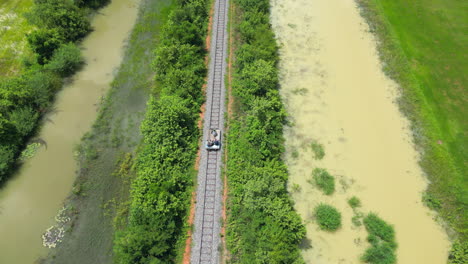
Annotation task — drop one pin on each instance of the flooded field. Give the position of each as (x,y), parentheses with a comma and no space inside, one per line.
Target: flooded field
(30,200)
(337,94)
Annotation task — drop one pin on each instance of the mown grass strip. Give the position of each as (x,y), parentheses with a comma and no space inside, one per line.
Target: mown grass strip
(262,226)
(160,194)
(423,47)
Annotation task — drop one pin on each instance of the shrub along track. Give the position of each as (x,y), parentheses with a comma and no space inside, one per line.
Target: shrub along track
(262,226)
(208,209)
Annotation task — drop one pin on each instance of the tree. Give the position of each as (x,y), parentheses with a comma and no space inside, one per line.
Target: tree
(44,42)
(257,78)
(63,15)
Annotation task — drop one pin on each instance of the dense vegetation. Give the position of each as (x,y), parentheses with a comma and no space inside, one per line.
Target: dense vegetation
(262,226)
(23,98)
(160,194)
(328,218)
(382,239)
(423,45)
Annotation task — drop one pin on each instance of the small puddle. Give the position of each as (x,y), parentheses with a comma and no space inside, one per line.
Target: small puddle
(336,93)
(30,200)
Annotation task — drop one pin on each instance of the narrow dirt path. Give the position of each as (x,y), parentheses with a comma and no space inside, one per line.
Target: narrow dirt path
(206,236)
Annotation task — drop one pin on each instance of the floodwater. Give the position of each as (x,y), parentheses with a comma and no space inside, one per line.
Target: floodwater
(31,199)
(337,94)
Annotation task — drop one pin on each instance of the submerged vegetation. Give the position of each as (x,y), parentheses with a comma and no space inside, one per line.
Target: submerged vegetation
(354,202)
(26,96)
(160,193)
(423,48)
(324,180)
(328,218)
(262,226)
(318,150)
(382,240)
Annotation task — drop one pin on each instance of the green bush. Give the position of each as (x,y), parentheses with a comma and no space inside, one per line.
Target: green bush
(354,202)
(328,218)
(66,60)
(63,16)
(324,180)
(44,42)
(24,119)
(42,86)
(14,92)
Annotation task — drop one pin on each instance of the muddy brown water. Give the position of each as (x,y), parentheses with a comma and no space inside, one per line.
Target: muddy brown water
(336,93)
(32,198)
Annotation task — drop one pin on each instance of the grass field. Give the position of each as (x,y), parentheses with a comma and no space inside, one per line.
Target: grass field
(13,29)
(101,190)
(423,46)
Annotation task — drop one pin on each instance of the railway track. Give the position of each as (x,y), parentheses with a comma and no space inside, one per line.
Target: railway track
(206,237)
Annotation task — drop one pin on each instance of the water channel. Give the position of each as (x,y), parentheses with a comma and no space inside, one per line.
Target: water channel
(337,94)
(31,198)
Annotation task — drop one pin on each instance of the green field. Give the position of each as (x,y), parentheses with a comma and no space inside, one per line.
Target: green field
(423,44)
(13,28)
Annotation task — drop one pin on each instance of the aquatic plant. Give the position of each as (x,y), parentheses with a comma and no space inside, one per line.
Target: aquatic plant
(30,151)
(356,220)
(324,180)
(354,202)
(382,239)
(318,150)
(54,234)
